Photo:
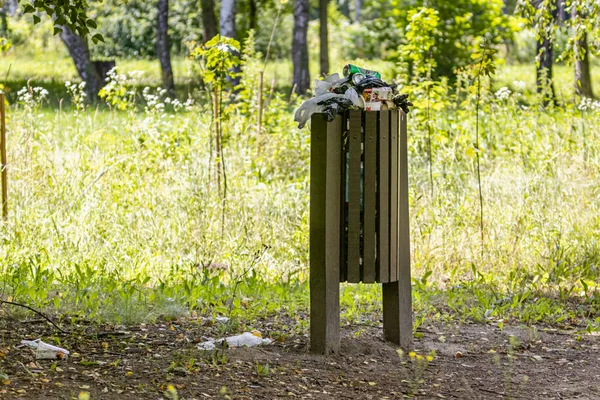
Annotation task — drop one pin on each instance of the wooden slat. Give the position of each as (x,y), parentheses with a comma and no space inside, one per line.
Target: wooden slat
(354,197)
(383,219)
(397,296)
(404,274)
(324,235)
(370,197)
(344,200)
(394,196)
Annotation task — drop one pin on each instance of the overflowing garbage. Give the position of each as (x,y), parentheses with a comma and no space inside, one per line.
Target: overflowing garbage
(359,88)
(246,339)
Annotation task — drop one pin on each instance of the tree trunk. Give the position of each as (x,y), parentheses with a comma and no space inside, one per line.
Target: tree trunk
(562,12)
(209,21)
(227,26)
(323,39)
(357,11)
(544,70)
(344,6)
(10,7)
(583,80)
(163,51)
(103,67)
(252,15)
(80,53)
(300,46)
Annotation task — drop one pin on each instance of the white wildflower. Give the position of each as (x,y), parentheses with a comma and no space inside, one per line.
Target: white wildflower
(519,85)
(586,103)
(503,93)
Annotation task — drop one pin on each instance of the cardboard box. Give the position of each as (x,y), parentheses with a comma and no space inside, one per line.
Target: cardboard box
(372,106)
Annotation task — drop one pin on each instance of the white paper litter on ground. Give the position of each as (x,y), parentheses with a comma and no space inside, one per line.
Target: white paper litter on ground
(246,339)
(45,351)
(220,320)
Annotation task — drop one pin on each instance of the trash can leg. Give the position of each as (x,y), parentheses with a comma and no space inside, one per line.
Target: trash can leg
(325,203)
(397,313)
(324,313)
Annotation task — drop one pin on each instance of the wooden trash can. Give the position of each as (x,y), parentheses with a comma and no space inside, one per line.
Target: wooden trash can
(359,225)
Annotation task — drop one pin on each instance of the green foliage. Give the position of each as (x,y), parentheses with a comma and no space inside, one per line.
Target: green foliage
(217,57)
(118,92)
(484,60)
(129,28)
(72,13)
(420,40)
(542,16)
(583,23)
(462,23)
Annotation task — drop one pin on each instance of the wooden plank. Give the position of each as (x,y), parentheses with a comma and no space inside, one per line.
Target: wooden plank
(344,190)
(394,196)
(404,273)
(397,296)
(370,197)
(354,186)
(383,219)
(324,235)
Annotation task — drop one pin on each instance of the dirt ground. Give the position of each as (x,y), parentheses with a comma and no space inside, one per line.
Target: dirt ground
(144,362)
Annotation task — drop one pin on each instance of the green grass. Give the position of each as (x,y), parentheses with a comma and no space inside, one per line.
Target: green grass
(115,216)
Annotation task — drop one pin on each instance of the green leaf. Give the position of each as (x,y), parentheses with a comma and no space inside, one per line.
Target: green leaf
(28,8)
(97,38)
(91,23)
(57,30)
(36,19)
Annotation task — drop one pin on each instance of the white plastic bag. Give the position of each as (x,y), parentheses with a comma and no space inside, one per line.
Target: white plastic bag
(45,351)
(309,107)
(246,339)
(352,95)
(322,86)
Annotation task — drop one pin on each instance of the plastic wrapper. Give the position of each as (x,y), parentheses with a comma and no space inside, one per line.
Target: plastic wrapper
(246,339)
(45,351)
(311,106)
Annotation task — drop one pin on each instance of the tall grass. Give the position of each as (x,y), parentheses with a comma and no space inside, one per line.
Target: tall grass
(115,214)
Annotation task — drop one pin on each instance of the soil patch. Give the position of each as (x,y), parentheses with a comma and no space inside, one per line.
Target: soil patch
(146,361)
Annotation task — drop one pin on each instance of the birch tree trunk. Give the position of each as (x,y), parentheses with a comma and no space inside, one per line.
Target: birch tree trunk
(163,51)
(300,46)
(357,11)
(227,26)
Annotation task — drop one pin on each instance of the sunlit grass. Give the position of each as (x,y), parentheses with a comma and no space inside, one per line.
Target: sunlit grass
(117,215)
